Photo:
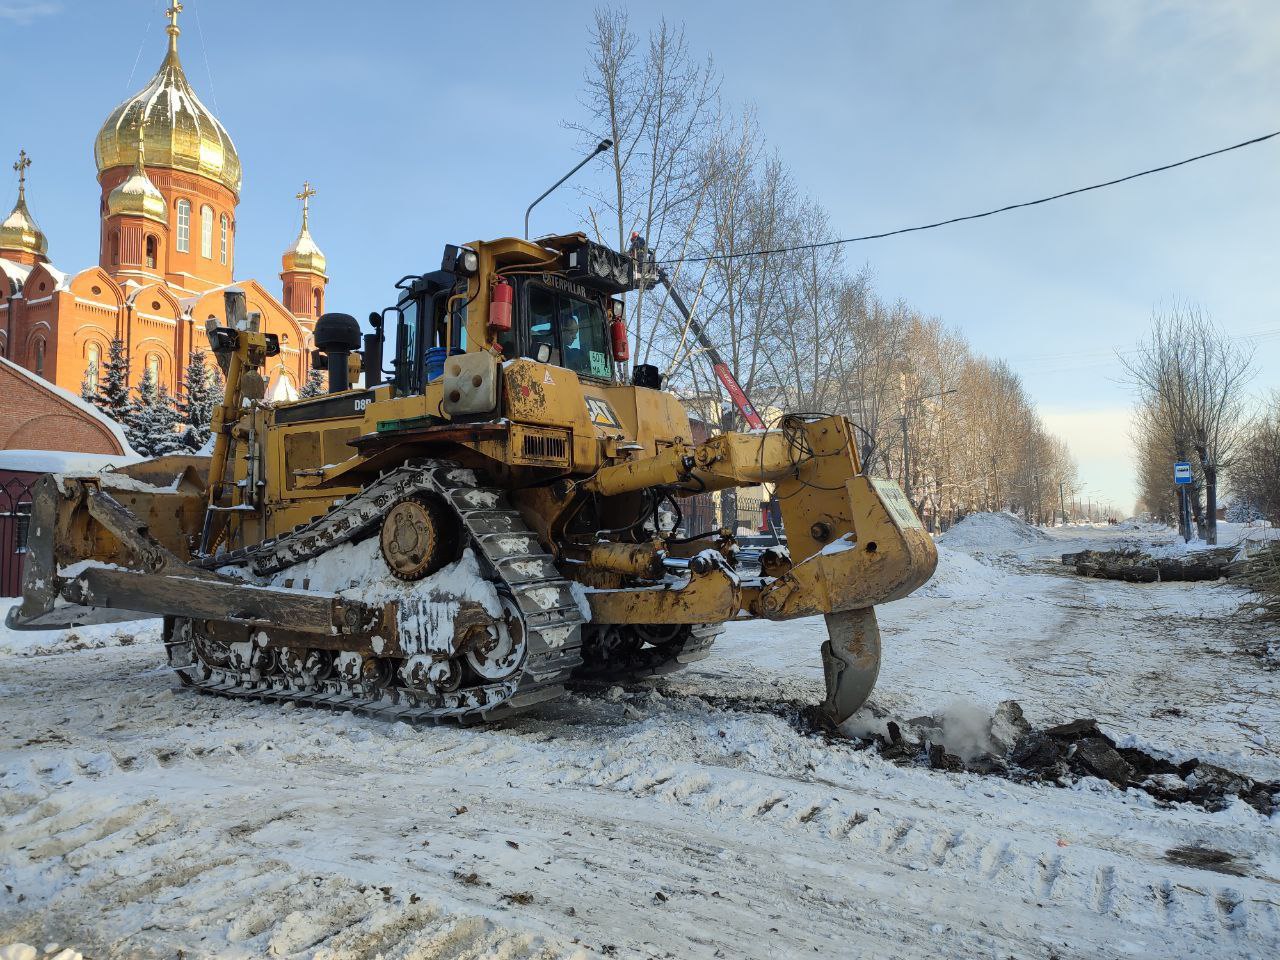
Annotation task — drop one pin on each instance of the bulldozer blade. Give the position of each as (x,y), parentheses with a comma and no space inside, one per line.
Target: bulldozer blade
(850,662)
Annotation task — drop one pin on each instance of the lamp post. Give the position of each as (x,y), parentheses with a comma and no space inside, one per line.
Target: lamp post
(601,147)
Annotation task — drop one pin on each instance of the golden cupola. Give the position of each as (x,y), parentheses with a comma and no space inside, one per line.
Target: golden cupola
(179,132)
(304,256)
(19,232)
(137,196)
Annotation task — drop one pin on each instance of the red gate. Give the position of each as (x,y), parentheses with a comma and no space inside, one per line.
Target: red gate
(15,521)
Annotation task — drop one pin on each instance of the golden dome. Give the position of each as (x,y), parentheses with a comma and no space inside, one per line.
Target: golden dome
(19,233)
(304,255)
(137,196)
(179,131)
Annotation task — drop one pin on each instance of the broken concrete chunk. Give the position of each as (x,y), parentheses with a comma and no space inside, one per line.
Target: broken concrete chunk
(1008,725)
(1099,758)
(1036,751)
(939,759)
(1075,730)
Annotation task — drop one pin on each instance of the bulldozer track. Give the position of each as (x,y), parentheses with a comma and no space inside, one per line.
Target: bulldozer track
(512,558)
(616,654)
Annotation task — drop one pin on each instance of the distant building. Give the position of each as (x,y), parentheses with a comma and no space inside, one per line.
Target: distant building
(170,182)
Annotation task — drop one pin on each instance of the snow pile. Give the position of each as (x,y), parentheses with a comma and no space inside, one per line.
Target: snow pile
(991,533)
(61,461)
(960,575)
(42,643)
(356,571)
(23,951)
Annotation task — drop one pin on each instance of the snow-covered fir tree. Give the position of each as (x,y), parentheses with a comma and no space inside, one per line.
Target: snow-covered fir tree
(201,392)
(113,397)
(153,426)
(89,385)
(314,386)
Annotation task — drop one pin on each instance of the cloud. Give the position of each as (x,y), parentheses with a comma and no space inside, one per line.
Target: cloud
(23,12)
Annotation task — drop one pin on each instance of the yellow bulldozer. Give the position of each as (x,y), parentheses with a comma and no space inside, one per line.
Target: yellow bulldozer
(495,515)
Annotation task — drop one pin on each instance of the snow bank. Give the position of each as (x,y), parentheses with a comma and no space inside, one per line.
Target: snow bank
(24,951)
(61,461)
(991,533)
(40,643)
(960,575)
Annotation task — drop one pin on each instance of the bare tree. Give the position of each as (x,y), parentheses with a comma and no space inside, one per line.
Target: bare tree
(659,104)
(1255,470)
(1193,375)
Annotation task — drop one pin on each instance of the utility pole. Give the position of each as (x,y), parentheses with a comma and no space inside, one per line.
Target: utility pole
(1039,505)
(1062,502)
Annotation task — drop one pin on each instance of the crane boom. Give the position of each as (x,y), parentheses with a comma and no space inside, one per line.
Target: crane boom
(644,256)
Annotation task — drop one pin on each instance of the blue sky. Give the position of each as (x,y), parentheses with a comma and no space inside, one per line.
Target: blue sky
(422,123)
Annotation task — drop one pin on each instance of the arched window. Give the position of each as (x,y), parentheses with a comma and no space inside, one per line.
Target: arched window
(206,232)
(316,302)
(152,247)
(153,366)
(184,226)
(40,357)
(223,238)
(93,366)
(115,247)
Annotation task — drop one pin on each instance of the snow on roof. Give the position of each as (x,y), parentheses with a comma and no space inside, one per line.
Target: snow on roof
(79,403)
(17,272)
(62,461)
(282,391)
(61,281)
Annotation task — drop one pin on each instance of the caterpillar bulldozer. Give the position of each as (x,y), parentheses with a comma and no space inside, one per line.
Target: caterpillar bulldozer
(495,515)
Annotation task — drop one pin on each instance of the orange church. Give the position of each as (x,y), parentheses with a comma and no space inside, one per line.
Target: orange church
(170,179)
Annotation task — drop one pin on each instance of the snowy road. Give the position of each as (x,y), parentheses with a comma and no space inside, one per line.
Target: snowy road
(138,822)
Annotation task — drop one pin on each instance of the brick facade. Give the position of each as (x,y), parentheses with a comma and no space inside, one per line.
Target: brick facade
(35,416)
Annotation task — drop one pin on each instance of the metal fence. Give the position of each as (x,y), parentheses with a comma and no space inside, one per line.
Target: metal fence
(15,521)
(744,515)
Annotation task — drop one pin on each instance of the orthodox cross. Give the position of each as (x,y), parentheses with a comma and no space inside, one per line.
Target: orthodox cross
(305,196)
(24,161)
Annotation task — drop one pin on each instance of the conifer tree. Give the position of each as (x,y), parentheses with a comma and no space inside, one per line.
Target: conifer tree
(314,387)
(153,426)
(113,386)
(89,385)
(201,393)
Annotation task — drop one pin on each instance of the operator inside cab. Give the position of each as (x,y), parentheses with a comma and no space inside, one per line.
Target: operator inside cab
(572,328)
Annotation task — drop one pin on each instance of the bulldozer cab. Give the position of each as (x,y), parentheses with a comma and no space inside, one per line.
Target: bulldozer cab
(560,310)
(426,323)
(561,323)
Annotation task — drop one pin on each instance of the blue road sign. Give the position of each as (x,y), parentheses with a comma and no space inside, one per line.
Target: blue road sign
(1182,472)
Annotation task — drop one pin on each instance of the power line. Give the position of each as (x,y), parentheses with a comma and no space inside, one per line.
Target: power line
(979,216)
(128,84)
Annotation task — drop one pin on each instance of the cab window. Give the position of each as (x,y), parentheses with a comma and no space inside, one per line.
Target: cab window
(574,330)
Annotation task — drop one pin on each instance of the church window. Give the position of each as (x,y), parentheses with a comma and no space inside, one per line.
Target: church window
(315,302)
(153,366)
(225,227)
(93,354)
(151,251)
(206,232)
(184,226)
(40,357)
(115,247)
